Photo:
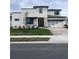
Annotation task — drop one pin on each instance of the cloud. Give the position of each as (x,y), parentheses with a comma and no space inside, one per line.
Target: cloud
(16,5)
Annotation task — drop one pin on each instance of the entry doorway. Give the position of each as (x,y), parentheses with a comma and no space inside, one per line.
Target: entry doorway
(41,22)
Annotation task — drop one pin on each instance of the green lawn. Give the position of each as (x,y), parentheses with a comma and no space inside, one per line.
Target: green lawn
(28,39)
(30,32)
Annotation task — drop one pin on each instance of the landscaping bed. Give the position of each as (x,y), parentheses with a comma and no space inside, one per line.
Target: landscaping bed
(30,32)
(28,39)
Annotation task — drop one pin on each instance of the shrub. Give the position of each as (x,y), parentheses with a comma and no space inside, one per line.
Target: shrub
(15,26)
(20,27)
(23,27)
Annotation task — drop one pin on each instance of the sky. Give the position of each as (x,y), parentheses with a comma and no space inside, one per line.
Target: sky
(16,5)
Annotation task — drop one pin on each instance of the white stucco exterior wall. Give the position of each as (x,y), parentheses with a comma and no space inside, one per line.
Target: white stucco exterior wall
(36,22)
(50,12)
(34,12)
(17,23)
(30,12)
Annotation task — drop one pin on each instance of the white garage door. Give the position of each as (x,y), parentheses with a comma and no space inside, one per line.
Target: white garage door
(52,23)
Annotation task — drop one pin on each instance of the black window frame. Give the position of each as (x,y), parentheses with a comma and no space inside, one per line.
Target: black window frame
(56,12)
(16,19)
(40,10)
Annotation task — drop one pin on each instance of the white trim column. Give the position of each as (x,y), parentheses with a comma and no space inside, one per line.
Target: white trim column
(45,22)
(36,21)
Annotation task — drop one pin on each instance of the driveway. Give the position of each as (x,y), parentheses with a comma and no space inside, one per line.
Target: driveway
(59,31)
(60,35)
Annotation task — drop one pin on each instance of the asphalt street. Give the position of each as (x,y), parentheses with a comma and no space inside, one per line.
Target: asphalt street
(39,51)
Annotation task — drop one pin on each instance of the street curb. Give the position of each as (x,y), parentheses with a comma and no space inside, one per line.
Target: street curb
(35,42)
(35,36)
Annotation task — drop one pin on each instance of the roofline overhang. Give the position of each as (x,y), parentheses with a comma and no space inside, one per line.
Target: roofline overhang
(50,16)
(54,10)
(16,12)
(25,8)
(40,6)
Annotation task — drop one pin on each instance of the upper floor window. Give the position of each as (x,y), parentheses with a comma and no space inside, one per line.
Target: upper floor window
(16,19)
(40,10)
(56,12)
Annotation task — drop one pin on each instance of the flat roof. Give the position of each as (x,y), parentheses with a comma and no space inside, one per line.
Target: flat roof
(40,6)
(16,12)
(26,8)
(32,17)
(56,19)
(54,9)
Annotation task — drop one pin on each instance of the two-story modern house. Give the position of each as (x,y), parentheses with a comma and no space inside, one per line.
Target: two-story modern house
(40,16)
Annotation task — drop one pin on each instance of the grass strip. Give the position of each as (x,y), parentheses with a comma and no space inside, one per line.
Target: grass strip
(28,39)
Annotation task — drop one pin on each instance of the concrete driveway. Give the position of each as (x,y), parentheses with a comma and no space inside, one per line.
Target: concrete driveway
(60,35)
(59,31)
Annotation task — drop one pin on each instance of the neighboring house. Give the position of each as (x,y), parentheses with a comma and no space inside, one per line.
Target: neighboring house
(40,16)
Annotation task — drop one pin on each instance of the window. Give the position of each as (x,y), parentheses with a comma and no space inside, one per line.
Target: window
(40,10)
(56,12)
(16,19)
(29,21)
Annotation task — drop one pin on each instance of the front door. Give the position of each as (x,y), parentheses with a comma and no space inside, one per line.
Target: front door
(41,22)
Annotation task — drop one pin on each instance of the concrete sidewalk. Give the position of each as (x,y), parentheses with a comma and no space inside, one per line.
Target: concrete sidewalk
(59,39)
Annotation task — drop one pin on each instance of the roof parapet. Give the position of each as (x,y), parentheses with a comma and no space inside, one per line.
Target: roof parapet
(16,12)
(51,16)
(26,8)
(40,6)
(54,9)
